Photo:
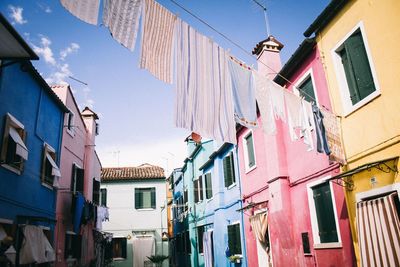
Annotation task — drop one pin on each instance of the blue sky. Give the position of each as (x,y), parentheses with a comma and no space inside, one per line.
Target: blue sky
(135,109)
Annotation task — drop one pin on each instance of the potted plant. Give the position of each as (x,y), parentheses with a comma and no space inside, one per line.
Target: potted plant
(157,259)
(235,258)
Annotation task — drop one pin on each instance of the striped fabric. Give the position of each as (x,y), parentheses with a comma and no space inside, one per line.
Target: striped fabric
(122,19)
(204,101)
(263,96)
(379,232)
(157,36)
(86,10)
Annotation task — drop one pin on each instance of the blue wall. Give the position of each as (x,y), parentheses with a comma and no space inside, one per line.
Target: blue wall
(25,97)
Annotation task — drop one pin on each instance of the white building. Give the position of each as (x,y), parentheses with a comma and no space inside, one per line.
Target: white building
(136,199)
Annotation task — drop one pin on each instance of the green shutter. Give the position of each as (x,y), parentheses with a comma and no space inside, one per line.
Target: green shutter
(200,231)
(153,197)
(196,191)
(229,173)
(232,168)
(238,243)
(209,193)
(138,198)
(200,188)
(231,239)
(123,248)
(307,90)
(250,150)
(325,214)
(104,197)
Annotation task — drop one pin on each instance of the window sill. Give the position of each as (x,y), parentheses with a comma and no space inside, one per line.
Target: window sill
(353,108)
(12,169)
(249,169)
(328,245)
(119,259)
(71,133)
(48,186)
(146,209)
(232,185)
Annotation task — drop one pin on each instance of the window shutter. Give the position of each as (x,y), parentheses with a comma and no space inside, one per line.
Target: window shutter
(200,232)
(138,198)
(229,174)
(209,193)
(325,214)
(77,246)
(233,179)
(231,239)
(153,197)
(238,243)
(80,180)
(359,61)
(104,197)
(123,248)
(196,191)
(307,90)
(250,150)
(73,178)
(200,188)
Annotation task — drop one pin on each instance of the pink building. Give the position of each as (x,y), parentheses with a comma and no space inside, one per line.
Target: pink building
(288,187)
(80,176)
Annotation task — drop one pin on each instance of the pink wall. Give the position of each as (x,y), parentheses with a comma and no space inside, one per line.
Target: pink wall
(284,168)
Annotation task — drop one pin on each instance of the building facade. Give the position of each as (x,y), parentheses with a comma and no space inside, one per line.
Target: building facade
(358,41)
(136,198)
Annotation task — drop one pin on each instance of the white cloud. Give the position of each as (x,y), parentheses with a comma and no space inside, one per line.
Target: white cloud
(45,7)
(59,76)
(16,15)
(72,48)
(45,51)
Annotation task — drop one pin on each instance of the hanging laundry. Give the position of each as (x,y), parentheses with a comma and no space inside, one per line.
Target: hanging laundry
(294,113)
(333,136)
(79,204)
(85,10)
(243,94)
(35,247)
(308,124)
(204,101)
(157,37)
(263,96)
(322,143)
(277,100)
(122,19)
(208,249)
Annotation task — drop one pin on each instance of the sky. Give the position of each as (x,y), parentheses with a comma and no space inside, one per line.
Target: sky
(136,109)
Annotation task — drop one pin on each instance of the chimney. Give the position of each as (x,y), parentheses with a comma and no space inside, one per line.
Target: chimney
(90,118)
(268,53)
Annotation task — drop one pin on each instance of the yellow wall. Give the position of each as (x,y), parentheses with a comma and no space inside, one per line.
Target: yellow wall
(372,132)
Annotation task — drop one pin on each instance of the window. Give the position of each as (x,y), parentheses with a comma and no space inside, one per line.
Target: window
(145,198)
(97,130)
(96,192)
(200,232)
(186,199)
(209,193)
(355,70)
(103,197)
(14,151)
(323,214)
(119,247)
(198,189)
(306,89)
(249,157)
(70,120)
(188,247)
(77,181)
(50,171)
(229,171)
(234,241)
(73,245)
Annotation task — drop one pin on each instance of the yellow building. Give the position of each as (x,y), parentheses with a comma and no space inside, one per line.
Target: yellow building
(359,42)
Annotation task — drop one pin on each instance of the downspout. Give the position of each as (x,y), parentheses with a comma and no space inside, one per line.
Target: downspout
(244,252)
(196,259)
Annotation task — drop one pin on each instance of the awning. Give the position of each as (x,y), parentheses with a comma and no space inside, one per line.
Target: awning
(55,170)
(21,149)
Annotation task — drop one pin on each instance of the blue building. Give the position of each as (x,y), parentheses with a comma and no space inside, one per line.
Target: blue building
(31,126)
(211,178)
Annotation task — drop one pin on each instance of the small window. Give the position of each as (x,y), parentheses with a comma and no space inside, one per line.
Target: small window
(77,181)
(322,206)
(145,198)
(50,171)
(250,158)
(306,90)
(234,241)
(119,247)
(14,151)
(73,246)
(97,130)
(198,189)
(229,170)
(209,192)
(200,232)
(96,192)
(103,197)
(70,121)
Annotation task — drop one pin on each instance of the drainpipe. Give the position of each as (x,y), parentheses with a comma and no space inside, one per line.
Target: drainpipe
(244,252)
(196,259)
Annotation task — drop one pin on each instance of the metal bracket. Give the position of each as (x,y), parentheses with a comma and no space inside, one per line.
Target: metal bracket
(341,181)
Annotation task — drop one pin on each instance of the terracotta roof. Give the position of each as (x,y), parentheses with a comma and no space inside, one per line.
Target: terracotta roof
(144,171)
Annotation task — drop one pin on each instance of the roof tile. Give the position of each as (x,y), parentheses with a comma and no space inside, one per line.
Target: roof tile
(144,171)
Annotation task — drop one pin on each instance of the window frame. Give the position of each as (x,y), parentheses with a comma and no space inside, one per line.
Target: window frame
(344,90)
(48,149)
(11,121)
(202,229)
(96,193)
(246,152)
(151,197)
(233,184)
(75,166)
(73,256)
(103,202)
(313,215)
(198,191)
(240,236)
(300,81)
(125,240)
(206,186)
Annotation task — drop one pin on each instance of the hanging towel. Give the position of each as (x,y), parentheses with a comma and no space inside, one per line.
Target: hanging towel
(204,101)
(263,96)
(208,249)
(122,19)
(86,10)
(157,37)
(294,113)
(243,94)
(35,247)
(322,143)
(278,100)
(308,124)
(79,204)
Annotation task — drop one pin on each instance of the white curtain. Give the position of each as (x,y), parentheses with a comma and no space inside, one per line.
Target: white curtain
(143,247)
(208,249)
